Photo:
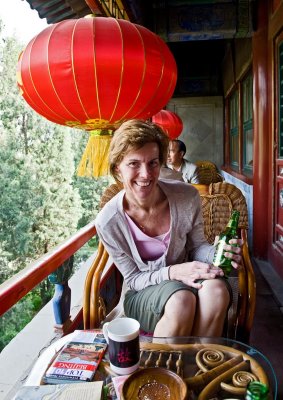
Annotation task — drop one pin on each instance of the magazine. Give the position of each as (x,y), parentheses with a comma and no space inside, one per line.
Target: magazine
(78,360)
(83,391)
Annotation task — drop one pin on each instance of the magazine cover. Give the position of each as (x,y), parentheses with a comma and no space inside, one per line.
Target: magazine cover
(77,360)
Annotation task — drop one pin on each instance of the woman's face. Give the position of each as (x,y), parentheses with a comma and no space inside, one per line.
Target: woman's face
(139,170)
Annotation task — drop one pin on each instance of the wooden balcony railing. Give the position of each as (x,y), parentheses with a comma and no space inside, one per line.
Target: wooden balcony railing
(12,290)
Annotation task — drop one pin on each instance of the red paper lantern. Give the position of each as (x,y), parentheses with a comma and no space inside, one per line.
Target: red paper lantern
(170,122)
(95,73)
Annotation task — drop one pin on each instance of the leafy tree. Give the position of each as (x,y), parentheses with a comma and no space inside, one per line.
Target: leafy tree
(17,208)
(58,214)
(39,205)
(46,159)
(12,108)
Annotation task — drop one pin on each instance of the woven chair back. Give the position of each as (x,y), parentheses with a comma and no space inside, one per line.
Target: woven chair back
(217,205)
(207,172)
(110,192)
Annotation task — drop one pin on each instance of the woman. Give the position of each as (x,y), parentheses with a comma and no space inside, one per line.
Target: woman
(153,230)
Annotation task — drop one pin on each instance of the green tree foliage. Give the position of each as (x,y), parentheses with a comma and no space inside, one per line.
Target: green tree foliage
(37,159)
(60,209)
(17,207)
(17,201)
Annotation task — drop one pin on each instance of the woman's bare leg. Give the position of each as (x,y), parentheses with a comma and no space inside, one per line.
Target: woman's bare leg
(178,317)
(213,301)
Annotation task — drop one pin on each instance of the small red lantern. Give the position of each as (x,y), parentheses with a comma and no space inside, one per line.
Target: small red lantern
(170,122)
(95,73)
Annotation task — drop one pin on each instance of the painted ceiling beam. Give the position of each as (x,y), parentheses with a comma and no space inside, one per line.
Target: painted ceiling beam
(59,10)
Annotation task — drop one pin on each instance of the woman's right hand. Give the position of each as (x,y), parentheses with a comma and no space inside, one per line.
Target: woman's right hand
(189,272)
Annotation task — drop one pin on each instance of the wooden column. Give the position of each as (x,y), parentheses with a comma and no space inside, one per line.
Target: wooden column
(261,133)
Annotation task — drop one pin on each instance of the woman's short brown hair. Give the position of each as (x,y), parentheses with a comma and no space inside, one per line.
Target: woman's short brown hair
(133,135)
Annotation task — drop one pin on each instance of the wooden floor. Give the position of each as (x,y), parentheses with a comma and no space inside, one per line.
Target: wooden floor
(267,332)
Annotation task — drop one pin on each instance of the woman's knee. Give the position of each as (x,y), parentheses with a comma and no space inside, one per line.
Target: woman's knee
(179,312)
(181,301)
(216,291)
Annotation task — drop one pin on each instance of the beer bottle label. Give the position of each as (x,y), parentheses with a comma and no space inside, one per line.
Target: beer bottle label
(219,253)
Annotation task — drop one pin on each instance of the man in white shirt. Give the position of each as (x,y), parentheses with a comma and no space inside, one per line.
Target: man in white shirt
(168,173)
(177,162)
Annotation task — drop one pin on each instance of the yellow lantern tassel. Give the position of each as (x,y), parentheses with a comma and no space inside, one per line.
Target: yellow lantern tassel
(94,162)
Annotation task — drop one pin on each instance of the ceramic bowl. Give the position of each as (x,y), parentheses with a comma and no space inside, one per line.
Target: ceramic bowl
(154,384)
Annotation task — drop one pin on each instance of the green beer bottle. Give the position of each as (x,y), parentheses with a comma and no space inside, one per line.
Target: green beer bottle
(257,391)
(230,232)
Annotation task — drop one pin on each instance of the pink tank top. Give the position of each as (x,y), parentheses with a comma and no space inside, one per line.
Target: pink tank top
(149,248)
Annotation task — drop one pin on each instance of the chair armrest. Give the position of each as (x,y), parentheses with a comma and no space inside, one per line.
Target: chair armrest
(247,293)
(251,285)
(91,288)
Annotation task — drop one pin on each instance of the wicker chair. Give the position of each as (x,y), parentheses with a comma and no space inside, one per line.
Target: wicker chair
(102,296)
(218,200)
(207,172)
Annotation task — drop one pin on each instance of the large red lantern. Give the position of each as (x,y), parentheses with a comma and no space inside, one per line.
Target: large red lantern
(95,73)
(170,122)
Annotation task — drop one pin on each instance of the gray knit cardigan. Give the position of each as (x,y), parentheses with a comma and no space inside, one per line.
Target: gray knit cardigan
(187,241)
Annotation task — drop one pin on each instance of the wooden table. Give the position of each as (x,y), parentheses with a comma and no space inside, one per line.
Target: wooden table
(183,355)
